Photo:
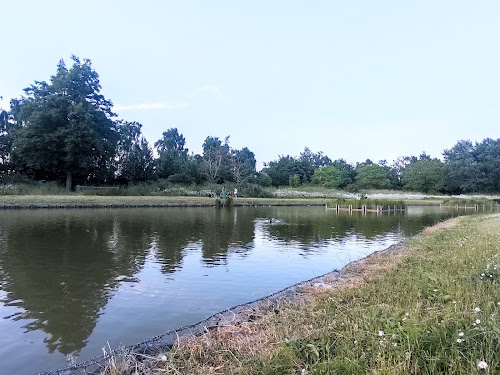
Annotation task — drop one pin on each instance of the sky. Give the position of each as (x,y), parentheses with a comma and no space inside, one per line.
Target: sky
(353,79)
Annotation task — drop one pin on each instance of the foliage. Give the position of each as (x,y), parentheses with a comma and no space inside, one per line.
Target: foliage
(66,128)
(294,181)
(263,179)
(328,176)
(242,164)
(172,156)
(347,172)
(372,176)
(216,160)
(425,175)
(473,168)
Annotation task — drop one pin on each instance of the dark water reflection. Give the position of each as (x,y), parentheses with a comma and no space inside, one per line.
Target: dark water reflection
(73,280)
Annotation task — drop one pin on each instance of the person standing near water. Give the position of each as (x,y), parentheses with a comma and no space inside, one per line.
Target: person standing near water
(235,193)
(223,193)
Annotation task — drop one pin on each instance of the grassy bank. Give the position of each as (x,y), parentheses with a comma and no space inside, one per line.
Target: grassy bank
(431,307)
(55,200)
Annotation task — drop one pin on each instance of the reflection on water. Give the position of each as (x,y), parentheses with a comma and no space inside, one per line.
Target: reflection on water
(73,280)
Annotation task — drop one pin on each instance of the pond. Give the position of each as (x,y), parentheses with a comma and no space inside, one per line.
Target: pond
(75,281)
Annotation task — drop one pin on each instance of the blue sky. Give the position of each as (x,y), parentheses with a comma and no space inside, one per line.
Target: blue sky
(354,79)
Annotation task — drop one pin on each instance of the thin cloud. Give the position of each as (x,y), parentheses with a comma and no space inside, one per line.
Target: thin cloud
(150,106)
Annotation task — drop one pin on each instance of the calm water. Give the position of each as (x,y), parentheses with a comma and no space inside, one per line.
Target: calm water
(72,281)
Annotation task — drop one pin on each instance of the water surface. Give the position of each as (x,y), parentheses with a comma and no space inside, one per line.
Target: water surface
(72,281)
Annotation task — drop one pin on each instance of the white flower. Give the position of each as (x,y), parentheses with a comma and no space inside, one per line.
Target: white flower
(407,314)
(435,290)
(381,333)
(395,344)
(459,340)
(482,365)
(461,334)
(498,303)
(478,321)
(403,319)
(477,309)
(454,302)
(161,357)
(355,341)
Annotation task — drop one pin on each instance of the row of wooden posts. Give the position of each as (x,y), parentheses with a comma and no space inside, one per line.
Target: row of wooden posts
(364,208)
(473,206)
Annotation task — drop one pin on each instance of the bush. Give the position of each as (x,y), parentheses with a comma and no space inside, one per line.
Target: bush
(294,181)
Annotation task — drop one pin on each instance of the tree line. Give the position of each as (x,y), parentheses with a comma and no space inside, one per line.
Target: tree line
(65,130)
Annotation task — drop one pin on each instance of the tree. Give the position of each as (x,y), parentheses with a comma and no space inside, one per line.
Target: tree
(328,176)
(134,155)
(425,175)
(281,170)
(462,168)
(7,129)
(66,128)
(172,155)
(347,172)
(372,176)
(216,160)
(242,164)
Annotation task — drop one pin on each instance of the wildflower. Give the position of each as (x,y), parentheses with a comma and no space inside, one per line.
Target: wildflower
(477,309)
(482,365)
(461,334)
(434,290)
(381,333)
(478,321)
(395,344)
(403,319)
(459,340)
(498,303)
(407,314)
(355,341)
(454,302)
(162,357)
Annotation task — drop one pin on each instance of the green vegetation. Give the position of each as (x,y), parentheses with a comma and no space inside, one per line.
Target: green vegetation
(429,308)
(64,131)
(469,202)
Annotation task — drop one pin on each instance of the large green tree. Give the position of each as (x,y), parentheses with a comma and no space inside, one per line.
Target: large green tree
(172,154)
(425,175)
(328,176)
(243,164)
(134,155)
(463,169)
(372,176)
(66,130)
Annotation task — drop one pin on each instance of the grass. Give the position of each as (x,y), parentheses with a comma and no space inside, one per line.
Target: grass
(470,202)
(73,199)
(431,307)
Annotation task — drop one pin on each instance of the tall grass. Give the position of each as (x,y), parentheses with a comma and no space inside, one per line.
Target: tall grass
(470,202)
(33,188)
